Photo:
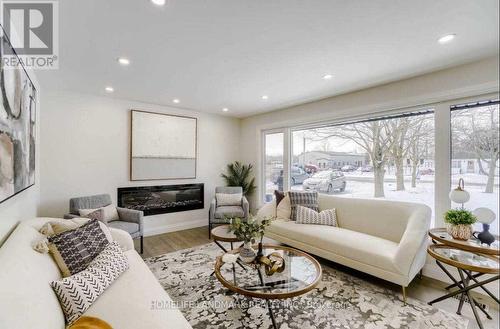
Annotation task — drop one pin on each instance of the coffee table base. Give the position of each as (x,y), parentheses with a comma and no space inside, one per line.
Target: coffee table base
(464,290)
(271,314)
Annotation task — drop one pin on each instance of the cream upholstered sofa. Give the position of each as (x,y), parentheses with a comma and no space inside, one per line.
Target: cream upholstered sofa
(386,239)
(27,300)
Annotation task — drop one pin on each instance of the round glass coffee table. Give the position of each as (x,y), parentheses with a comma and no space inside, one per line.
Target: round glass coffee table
(470,266)
(301,274)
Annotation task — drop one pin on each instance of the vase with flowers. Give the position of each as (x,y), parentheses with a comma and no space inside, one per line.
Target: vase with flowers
(248,231)
(459,223)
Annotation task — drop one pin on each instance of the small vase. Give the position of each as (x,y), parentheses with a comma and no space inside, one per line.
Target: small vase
(247,253)
(460,232)
(485,236)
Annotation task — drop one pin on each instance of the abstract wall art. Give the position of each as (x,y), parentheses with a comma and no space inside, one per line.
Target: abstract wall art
(163,146)
(17,125)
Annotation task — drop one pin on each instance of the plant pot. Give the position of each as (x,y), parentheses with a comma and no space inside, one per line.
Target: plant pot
(460,232)
(247,253)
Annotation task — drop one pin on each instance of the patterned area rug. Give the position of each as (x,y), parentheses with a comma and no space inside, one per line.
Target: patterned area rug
(339,301)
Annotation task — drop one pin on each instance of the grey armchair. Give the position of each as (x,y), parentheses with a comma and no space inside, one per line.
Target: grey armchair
(220,214)
(129,220)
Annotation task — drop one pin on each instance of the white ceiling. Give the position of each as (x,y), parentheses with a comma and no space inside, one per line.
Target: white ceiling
(228,53)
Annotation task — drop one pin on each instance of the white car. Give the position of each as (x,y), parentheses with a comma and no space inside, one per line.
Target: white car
(326,181)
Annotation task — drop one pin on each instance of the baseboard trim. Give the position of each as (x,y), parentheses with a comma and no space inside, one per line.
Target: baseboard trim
(175,227)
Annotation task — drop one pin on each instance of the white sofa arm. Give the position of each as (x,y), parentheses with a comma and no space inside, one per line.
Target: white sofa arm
(413,238)
(123,238)
(267,210)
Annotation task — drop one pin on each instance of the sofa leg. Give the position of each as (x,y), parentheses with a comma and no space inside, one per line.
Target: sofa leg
(404,294)
(142,244)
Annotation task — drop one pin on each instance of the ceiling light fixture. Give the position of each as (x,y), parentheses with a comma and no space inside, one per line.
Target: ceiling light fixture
(225,109)
(446,38)
(327,77)
(123,61)
(158,2)
(109,89)
(265,97)
(176,101)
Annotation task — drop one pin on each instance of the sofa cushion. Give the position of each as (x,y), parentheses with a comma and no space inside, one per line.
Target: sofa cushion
(284,209)
(229,212)
(137,300)
(279,195)
(77,292)
(109,212)
(309,216)
(305,199)
(73,250)
(358,246)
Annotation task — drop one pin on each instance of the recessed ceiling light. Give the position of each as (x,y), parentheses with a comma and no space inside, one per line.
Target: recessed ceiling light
(327,77)
(123,61)
(158,2)
(109,89)
(176,101)
(225,109)
(446,38)
(265,97)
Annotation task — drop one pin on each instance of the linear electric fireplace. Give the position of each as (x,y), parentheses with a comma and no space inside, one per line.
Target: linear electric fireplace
(162,199)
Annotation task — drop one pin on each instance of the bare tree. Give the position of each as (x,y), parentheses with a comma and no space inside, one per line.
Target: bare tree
(477,131)
(397,133)
(421,140)
(372,136)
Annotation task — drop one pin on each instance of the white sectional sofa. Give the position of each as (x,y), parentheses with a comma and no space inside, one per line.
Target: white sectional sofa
(386,239)
(27,300)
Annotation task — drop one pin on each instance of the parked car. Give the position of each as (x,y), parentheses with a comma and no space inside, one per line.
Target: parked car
(426,171)
(348,168)
(326,181)
(366,169)
(297,175)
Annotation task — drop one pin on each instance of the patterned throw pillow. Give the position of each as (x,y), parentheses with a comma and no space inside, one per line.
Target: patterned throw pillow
(77,292)
(309,216)
(97,214)
(228,199)
(305,199)
(73,250)
(279,195)
(110,213)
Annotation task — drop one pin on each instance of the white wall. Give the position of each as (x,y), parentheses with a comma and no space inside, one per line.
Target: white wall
(85,150)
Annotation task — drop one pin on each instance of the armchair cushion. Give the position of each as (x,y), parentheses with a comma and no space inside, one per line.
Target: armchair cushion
(228,199)
(110,213)
(132,228)
(229,212)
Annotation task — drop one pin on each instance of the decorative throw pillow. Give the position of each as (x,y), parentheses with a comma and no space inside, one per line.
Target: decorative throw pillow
(284,209)
(58,226)
(73,250)
(110,213)
(279,195)
(97,214)
(309,216)
(90,322)
(77,292)
(305,199)
(226,199)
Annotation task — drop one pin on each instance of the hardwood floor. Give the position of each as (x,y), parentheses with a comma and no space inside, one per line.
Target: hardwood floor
(424,289)
(168,242)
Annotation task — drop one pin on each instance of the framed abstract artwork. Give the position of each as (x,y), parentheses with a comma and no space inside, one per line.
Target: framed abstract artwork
(163,146)
(17,124)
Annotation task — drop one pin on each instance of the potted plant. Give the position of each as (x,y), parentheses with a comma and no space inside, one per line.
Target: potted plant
(248,231)
(459,223)
(239,174)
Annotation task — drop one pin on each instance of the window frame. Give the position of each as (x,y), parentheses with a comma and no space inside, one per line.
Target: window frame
(442,138)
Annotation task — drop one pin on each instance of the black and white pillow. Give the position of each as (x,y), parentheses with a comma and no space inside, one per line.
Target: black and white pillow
(305,199)
(309,216)
(73,250)
(76,293)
